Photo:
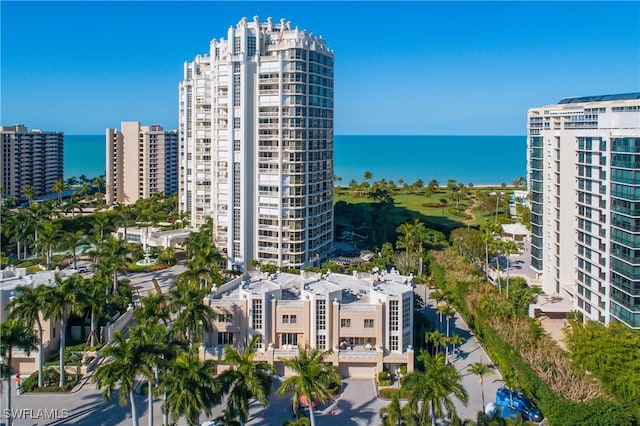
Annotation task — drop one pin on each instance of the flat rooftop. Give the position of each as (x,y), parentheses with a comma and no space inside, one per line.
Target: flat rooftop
(352,289)
(600,98)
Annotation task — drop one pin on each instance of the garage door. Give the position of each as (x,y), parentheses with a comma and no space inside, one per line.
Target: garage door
(358,371)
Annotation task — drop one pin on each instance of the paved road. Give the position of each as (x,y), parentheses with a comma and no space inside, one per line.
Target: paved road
(357,406)
(141,282)
(470,352)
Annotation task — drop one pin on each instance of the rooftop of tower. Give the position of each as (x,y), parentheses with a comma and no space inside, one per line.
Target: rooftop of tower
(600,98)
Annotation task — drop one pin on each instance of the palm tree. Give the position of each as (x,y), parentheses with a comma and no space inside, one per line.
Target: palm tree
(26,307)
(98,182)
(49,237)
(124,217)
(300,420)
(456,340)
(310,381)
(125,360)
(441,310)
(437,339)
(449,311)
(35,214)
(392,414)
(11,201)
(193,316)
(413,238)
(14,334)
(62,300)
(153,307)
(95,295)
(16,227)
(203,257)
(438,296)
(100,223)
(59,186)
(246,379)
(70,241)
(488,230)
(72,205)
(481,369)
(160,351)
(193,388)
(28,192)
(112,254)
(430,391)
(443,202)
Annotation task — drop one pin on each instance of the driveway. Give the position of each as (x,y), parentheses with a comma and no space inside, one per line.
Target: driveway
(469,353)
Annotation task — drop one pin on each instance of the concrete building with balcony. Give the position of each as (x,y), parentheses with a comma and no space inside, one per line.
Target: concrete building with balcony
(141,161)
(256,144)
(30,158)
(365,319)
(584,177)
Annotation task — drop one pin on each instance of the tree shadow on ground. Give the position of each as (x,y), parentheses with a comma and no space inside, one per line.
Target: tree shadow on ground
(97,411)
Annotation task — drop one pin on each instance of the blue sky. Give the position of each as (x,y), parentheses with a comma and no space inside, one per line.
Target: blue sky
(400,67)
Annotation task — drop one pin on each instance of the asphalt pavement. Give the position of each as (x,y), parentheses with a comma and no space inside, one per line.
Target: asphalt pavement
(469,353)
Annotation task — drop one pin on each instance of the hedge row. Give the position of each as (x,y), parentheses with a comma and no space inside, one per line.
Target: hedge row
(507,358)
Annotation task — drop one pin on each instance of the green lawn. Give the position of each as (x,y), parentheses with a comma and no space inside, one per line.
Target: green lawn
(408,206)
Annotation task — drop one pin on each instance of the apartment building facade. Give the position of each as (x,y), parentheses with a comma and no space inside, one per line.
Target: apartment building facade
(30,158)
(365,320)
(256,144)
(141,161)
(584,178)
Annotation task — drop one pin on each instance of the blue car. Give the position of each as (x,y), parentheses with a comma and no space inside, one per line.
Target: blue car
(510,403)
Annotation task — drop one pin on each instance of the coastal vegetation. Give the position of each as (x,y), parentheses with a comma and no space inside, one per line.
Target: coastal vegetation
(528,359)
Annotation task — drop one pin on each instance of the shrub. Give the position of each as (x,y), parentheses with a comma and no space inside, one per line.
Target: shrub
(30,383)
(403,369)
(458,213)
(384,378)
(334,388)
(388,393)
(50,379)
(132,267)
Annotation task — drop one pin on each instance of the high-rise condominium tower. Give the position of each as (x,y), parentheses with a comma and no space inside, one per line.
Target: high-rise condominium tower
(141,161)
(30,158)
(256,144)
(584,177)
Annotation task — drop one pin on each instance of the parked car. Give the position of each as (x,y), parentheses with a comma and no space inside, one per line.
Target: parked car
(510,403)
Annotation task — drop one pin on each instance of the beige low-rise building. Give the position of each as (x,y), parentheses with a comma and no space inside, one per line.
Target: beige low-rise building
(364,319)
(10,279)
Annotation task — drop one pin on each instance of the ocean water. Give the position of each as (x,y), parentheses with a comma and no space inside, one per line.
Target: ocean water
(481,160)
(84,155)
